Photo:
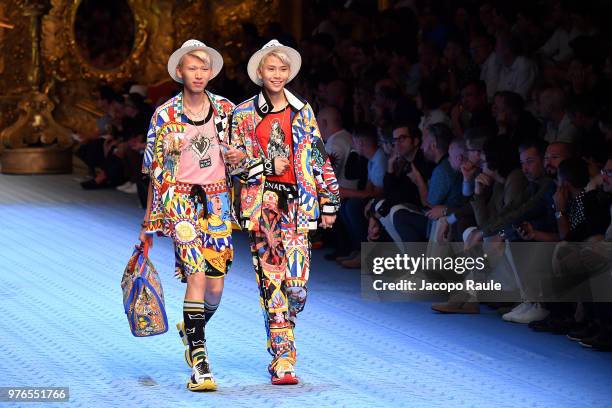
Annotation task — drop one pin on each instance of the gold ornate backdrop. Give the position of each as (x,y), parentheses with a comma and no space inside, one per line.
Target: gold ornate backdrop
(42,66)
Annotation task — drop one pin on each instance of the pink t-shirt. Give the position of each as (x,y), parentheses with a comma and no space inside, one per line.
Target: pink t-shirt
(201,161)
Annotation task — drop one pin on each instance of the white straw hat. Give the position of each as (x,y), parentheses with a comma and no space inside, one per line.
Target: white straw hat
(294,58)
(188,46)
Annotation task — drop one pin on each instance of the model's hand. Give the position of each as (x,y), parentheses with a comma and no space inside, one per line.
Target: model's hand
(281,164)
(327,221)
(232,155)
(146,238)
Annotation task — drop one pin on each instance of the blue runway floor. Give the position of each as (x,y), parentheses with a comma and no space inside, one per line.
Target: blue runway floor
(62,254)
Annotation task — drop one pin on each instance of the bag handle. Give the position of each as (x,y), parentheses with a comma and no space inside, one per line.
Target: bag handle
(144,250)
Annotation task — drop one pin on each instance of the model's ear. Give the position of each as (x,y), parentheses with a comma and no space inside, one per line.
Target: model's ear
(179,73)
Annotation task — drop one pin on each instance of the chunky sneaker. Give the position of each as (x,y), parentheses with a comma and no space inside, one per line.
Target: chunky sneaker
(201,377)
(523,307)
(284,374)
(181,329)
(532,314)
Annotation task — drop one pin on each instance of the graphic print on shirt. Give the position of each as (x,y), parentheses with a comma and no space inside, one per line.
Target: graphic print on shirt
(276,144)
(200,145)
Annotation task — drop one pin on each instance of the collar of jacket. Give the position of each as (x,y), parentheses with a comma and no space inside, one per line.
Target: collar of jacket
(221,118)
(214,102)
(264,105)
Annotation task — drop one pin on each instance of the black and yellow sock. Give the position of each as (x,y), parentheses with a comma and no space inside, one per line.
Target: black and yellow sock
(195,320)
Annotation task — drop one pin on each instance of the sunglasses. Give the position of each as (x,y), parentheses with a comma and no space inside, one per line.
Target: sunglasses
(606,172)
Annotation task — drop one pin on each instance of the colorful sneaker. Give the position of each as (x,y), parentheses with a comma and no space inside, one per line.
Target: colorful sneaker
(181,329)
(201,377)
(284,374)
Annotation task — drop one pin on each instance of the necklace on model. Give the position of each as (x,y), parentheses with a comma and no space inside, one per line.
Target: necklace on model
(197,116)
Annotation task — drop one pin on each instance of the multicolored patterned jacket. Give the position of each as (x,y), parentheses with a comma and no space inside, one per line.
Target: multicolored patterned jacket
(317,186)
(161,157)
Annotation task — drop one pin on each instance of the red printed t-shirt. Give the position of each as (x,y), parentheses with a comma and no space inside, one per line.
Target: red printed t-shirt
(274,136)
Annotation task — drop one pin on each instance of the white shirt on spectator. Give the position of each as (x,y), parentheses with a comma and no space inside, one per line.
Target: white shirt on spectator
(566,132)
(518,77)
(434,116)
(489,74)
(338,146)
(558,45)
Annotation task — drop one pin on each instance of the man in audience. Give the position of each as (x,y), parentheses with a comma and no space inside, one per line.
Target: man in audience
(513,121)
(473,111)
(338,143)
(354,201)
(581,216)
(399,187)
(532,221)
(518,73)
(483,53)
(553,109)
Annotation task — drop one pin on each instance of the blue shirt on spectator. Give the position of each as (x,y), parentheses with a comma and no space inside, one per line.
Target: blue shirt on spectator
(377,166)
(445,186)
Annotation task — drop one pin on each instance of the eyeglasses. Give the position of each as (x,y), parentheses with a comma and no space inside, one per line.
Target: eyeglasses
(400,138)
(606,172)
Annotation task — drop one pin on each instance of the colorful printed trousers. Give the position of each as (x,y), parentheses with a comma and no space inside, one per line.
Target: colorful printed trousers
(281,258)
(202,232)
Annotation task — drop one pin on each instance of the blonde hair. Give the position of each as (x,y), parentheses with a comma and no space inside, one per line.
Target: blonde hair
(199,54)
(278,54)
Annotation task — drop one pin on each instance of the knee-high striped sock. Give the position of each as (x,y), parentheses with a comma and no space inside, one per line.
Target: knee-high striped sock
(195,318)
(209,310)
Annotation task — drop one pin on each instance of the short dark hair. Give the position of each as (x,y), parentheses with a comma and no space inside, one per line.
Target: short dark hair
(431,96)
(413,130)
(480,85)
(476,137)
(390,92)
(136,100)
(585,105)
(324,40)
(575,171)
(365,131)
(108,94)
(538,144)
(513,101)
(501,155)
(511,41)
(442,135)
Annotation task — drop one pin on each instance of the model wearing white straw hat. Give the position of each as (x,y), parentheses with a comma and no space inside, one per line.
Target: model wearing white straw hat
(289,188)
(189,194)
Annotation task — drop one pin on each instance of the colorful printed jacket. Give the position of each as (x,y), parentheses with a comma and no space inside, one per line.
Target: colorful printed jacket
(161,157)
(317,186)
